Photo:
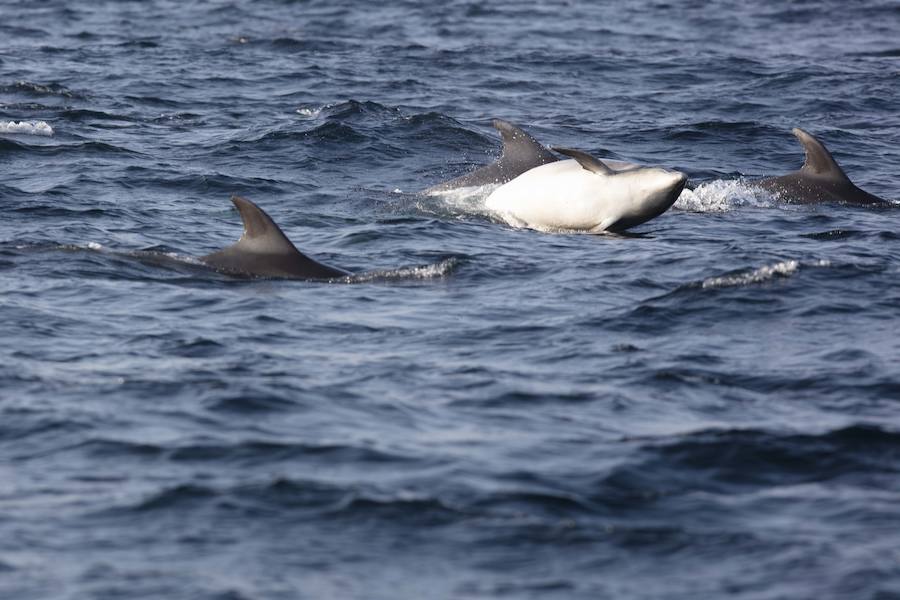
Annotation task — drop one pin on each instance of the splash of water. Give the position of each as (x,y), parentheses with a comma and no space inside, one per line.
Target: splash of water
(722,196)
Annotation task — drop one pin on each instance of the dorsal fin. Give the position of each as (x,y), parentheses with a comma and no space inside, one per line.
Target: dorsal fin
(818,159)
(265,251)
(594,165)
(520,153)
(261,234)
(519,146)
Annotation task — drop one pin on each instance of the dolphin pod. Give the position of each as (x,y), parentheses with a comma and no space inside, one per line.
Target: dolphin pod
(534,188)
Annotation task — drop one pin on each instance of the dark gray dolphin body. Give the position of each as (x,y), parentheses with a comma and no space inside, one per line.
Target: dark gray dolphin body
(264,251)
(819,180)
(521,153)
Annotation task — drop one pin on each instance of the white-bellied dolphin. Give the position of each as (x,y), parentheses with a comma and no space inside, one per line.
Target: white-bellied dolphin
(264,251)
(820,179)
(521,152)
(586,194)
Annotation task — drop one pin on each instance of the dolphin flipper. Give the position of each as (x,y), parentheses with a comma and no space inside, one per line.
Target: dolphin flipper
(264,251)
(588,162)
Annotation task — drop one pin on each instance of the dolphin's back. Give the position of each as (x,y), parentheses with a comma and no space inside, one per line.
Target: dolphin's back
(820,179)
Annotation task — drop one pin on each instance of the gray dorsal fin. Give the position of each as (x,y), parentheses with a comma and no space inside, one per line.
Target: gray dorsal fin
(818,159)
(519,145)
(265,251)
(594,165)
(261,234)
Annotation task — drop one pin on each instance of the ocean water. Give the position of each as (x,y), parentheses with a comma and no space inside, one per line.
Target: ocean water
(704,408)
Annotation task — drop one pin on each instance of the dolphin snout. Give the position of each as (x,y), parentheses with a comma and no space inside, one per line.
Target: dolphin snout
(677,181)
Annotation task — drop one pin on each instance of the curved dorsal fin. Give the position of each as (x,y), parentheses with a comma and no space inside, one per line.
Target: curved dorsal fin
(594,165)
(519,145)
(261,234)
(265,251)
(818,159)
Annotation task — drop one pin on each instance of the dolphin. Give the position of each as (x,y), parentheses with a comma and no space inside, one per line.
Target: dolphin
(586,194)
(521,152)
(264,251)
(820,179)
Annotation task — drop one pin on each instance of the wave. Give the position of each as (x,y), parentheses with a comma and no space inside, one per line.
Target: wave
(38,89)
(347,110)
(717,461)
(721,459)
(86,148)
(311,111)
(437,270)
(245,452)
(321,498)
(784,268)
(440,129)
(202,181)
(26,127)
(692,299)
(327,133)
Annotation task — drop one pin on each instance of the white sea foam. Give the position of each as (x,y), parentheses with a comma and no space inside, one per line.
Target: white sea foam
(785,268)
(435,271)
(311,112)
(721,196)
(26,127)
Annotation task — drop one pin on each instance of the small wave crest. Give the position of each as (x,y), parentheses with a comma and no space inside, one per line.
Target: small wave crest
(347,110)
(785,268)
(721,196)
(433,271)
(310,112)
(26,127)
(39,89)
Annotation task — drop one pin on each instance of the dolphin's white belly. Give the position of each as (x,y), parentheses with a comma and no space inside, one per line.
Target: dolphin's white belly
(561,195)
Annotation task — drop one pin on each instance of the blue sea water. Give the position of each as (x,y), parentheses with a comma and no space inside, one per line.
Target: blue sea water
(707,408)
